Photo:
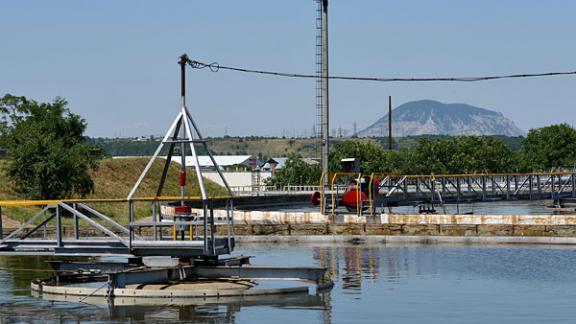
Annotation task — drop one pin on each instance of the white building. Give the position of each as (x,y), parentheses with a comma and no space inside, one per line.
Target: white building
(239,170)
(227,163)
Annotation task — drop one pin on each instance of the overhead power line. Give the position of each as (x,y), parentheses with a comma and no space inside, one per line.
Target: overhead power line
(215,67)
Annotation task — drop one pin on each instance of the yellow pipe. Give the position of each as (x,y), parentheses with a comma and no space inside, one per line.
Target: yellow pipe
(321,192)
(333,198)
(358,194)
(370,194)
(14,203)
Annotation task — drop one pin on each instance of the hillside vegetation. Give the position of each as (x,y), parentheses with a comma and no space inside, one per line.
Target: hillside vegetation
(114,178)
(266,147)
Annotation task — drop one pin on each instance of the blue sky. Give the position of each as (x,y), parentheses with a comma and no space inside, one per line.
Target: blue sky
(115,61)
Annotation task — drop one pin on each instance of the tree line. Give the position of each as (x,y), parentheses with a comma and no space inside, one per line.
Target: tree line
(543,149)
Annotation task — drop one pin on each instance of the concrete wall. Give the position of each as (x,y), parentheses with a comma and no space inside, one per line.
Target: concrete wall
(438,219)
(430,232)
(283,217)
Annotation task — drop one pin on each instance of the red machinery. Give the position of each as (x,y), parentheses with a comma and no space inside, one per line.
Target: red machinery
(352,195)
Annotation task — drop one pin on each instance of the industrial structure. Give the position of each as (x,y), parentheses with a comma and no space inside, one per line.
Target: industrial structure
(322,83)
(192,234)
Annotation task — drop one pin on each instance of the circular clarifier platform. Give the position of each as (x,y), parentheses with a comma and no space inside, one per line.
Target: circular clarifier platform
(184,289)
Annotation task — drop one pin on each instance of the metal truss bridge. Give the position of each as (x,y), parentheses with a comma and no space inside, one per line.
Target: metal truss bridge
(394,190)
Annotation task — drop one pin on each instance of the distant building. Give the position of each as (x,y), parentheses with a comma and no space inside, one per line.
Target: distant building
(278,163)
(228,163)
(274,164)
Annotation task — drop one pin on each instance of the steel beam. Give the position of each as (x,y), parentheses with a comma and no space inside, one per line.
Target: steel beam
(154,156)
(1,226)
(37,227)
(315,274)
(162,275)
(76,234)
(197,130)
(552,186)
(168,159)
(91,222)
(104,218)
(87,267)
(26,224)
(196,162)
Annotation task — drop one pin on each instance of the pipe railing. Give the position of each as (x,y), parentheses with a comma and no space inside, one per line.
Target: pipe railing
(442,187)
(81,217)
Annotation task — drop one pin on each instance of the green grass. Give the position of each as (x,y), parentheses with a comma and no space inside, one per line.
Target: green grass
(114,178)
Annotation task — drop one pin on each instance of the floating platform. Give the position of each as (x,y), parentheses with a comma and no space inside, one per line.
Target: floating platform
(199,279)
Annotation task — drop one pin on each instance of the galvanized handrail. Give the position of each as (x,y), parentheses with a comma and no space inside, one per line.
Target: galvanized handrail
(117,239)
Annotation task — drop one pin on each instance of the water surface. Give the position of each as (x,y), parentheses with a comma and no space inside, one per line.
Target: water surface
(373,284)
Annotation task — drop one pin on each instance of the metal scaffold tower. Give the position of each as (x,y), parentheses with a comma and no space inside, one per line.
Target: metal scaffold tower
(95,233)
(319,92)
(322,110)
(183,131)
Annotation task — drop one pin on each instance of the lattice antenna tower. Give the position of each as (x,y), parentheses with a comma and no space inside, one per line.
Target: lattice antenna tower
(322,110)
(319,92)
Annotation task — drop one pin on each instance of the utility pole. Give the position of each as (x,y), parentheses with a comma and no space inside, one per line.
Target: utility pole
(183,60)
(390,123)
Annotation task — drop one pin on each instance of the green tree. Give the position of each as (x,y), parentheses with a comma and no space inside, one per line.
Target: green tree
(48,157)
(550,147)
(463,154)
(372,156)
(296,172)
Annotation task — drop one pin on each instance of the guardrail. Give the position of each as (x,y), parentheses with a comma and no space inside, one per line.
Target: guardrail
(94,233)
(256,188)
(438,188)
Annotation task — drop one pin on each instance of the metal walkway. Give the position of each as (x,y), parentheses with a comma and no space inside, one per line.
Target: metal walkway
(396,190)
(94,234)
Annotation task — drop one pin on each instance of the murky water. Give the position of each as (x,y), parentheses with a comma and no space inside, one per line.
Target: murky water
(373,284)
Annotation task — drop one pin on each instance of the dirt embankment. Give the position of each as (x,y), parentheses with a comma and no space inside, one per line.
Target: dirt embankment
(9,223)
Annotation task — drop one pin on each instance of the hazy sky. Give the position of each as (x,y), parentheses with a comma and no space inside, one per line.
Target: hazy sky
(115,61)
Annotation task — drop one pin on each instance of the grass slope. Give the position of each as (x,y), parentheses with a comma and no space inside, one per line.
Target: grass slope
(114,178)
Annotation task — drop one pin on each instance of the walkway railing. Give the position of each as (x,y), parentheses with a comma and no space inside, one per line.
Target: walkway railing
(389,189)
(139,228)
(255,190)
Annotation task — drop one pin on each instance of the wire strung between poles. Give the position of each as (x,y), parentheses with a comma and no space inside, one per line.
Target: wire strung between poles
(215,67)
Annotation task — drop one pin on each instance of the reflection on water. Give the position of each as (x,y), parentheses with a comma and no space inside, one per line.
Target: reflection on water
(358,263)
(373,283)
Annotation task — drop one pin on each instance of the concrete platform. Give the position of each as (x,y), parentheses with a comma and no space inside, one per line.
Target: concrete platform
(200,289)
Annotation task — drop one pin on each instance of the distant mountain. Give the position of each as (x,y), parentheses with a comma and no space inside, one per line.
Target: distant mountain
(428,117)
